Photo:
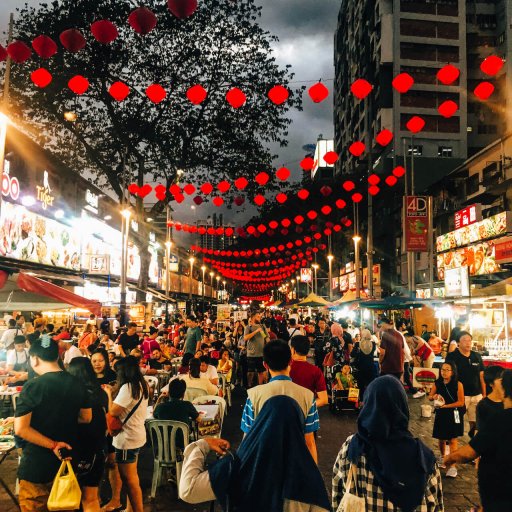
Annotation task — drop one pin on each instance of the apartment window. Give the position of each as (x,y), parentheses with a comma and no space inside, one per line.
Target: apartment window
(417,28)
(434,123)
(415,150)
(440,7)
(429,52)
(445,151)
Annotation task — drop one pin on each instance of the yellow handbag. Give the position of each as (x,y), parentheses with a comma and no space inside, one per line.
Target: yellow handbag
(353,395)
(65,493)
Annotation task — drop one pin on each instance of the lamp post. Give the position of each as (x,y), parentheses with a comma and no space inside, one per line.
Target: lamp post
(203,270)
(125,229)
(168,245)
(217,288)
(224,294)
(357,239)
(211,284)
(330,257)
(293,286)
(297,281)
(315,268)
(191,260)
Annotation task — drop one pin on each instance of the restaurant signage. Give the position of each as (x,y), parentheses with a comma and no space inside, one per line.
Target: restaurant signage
(503,250)
(99,264)
(173,263)
(456,282)
(92,201)
(44,192)
(10,185)
(416,223)
(306,275)
(468,216)
(344,283)
(375,275)
(491,227)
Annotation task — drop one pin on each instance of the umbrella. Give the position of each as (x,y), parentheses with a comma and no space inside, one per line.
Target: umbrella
(313,301)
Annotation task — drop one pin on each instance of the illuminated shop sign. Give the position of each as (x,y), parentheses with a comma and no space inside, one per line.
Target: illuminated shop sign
(44,192)
(468,216)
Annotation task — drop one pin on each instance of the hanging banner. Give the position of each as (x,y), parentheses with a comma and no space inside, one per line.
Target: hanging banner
(416,224)
(306,275)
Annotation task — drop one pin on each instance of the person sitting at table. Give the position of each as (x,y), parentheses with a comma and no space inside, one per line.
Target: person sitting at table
(194,379)
(225,364)
(177,409)
(199,354)
(158,362)
(149,344)
(271,470)
(100,365)
(209,371)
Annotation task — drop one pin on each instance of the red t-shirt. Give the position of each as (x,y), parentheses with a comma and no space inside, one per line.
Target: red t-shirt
(308,376)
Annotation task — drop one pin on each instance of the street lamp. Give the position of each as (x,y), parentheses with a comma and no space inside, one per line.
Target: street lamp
(217,288)
(211,283)
(168,245)
(315,268)
(298,286)
(203,270)
(330,257)
(126,213)
(293,286)
(191,260)
(224,294)
(357,239)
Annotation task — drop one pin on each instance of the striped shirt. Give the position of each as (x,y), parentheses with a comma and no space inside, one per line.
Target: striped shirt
(311,423)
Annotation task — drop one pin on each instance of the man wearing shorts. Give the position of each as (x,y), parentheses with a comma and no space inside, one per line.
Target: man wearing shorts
(255,335)
(470,368)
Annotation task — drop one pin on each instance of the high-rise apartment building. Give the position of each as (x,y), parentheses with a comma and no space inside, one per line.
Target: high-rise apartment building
(214,241)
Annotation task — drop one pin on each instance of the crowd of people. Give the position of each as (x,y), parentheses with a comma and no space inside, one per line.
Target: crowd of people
(86,395)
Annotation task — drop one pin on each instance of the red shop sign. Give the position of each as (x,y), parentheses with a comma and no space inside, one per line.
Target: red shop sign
(468,215)
(503,250)
(416,223)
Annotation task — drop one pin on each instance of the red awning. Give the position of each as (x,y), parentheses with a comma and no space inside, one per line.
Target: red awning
(33,284)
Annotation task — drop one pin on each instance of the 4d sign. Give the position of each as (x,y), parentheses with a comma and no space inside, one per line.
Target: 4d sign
(416,223)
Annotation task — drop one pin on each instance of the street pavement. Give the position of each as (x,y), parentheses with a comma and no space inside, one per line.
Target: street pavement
(460,494)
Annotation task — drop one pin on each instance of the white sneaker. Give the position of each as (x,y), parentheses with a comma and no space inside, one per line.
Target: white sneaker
(419,394)
(452,472)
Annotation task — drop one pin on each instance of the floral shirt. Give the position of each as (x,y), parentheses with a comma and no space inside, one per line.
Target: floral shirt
(368,488)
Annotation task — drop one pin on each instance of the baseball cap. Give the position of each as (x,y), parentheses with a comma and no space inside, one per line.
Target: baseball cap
(63,336)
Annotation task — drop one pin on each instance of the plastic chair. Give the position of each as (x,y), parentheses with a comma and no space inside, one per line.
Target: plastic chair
(226,387)
(176,362)
(165,452)
(192,393)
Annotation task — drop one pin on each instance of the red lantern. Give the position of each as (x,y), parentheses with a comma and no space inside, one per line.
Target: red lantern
(119,91)
(331,157)
(307,163)
(484,90)
(182,8)
(156,93)
(142,20)
(223,186)
(3,53)
(73,40)
(133,188)
(281,198)
(229,232)
(262,178)
(348,185)
(19,52)
(391,180)
(251,230)
(41,77)
(340,204)
(357,149)
(160,192)
(239,200)
(179,198)
(44,46)
(373,179)
(491,65)
(218,201)
(357,197)
(303,194)
(104,31)
(299,219)
(318,92)
(399,171)
(403,82)
(175,190)
(448,74)
(189,189)
(384,137)
(262,228)
(278,94)
(206,188)
(326,191)
(236,97)
(273,224)
(373,190)
(286,223)
(198,200)
(361,88)
(312,215)
(283,173)
(259,199)
(326,209)
(448,108)
(197,94)
(145,191)
(78,84)
(241,183)
(415,124)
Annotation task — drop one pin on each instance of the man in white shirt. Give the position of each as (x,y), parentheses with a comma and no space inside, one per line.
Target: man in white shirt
(209,371)
(66,344)
(9,334)
(116,324)
(17,359)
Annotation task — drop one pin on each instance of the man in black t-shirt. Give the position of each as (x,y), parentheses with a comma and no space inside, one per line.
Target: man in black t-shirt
(470,369)
(129,340)
(494,447)
(48,412)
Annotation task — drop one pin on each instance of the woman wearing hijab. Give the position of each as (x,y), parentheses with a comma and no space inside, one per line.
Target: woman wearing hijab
(272,470)
(394,471)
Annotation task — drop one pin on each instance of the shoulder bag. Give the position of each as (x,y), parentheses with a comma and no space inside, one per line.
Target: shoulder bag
(115,425)
(352,502)
(329,359)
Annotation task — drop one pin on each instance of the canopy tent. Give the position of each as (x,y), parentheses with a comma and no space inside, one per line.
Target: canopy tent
(394,303)
(350,296)
(313,301)
(28,293)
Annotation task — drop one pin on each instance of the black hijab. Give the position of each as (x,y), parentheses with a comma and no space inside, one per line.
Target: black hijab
(271,465)
(400,463)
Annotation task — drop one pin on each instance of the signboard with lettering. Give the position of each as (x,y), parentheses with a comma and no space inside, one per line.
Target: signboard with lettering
(503,250)
(10,184)
(44,192)
(468,215)
(306,275)
(375,275)
(344,283)
(99,264)
(92,201)
(173,263)
(456,282)
(416,223)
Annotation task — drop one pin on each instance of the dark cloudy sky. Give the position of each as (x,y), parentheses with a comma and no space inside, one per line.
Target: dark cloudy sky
(306,32)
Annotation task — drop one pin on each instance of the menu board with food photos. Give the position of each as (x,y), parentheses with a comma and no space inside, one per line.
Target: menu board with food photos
(492,227)
(27,236)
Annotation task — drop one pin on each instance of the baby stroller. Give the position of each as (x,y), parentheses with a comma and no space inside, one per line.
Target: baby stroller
(341,400)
